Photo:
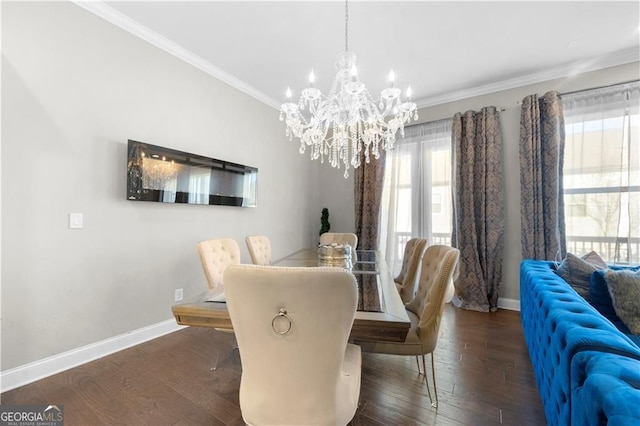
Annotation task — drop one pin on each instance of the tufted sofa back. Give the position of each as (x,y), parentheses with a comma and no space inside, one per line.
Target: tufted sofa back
(215,256)
(558,325)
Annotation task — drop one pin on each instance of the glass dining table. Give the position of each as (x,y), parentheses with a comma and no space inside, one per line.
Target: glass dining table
(380,315)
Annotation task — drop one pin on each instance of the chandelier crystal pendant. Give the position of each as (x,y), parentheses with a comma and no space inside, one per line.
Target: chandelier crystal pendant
(347,121)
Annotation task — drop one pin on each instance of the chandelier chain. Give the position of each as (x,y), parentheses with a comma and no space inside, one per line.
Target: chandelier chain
(346,25)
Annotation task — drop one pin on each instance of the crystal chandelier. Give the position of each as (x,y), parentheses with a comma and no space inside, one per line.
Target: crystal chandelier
(348,120)
(158,173)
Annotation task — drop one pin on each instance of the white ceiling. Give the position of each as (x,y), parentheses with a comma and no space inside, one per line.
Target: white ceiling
(444,50)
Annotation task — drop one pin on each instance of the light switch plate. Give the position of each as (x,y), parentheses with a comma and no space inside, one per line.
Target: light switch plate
(177,297)
(75,221)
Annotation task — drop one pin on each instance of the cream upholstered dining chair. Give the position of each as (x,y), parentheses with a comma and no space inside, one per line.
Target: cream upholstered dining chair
(259,249)
(339,238)
(406,279)
(216,256)
(292,326)
(425,311)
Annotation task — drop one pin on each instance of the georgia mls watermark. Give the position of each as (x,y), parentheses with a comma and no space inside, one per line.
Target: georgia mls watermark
(31,415)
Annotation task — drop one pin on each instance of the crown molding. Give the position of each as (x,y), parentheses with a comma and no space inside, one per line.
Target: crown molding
(617,58)
(113,16)
(120,20)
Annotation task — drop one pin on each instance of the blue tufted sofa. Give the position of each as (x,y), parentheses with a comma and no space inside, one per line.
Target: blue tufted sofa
(587,371)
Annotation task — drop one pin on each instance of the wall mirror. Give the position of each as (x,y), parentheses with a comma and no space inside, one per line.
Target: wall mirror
(165,175)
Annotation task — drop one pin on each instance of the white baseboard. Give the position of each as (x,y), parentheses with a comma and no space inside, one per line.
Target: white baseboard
(510,304)
(28,373)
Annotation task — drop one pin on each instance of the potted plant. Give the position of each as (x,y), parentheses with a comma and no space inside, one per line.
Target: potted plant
(324,221)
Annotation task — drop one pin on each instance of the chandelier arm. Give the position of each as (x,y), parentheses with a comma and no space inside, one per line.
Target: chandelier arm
(312,108)
(373,111)
(388,106)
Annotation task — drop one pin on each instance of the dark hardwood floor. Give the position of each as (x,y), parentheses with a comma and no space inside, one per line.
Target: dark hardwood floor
(483,373)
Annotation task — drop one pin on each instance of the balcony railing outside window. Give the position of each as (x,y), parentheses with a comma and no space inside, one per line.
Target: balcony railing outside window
(604,246)
(607,247)
(402,238)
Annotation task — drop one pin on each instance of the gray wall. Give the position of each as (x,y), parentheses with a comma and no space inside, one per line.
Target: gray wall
(336,193)
(74,89)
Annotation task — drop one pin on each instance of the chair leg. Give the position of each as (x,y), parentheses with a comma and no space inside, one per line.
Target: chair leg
(418,362)
(214,366)
(234,345)
(433,374)
(426,380)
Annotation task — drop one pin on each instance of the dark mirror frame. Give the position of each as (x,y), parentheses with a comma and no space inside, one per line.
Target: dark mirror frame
(165,175)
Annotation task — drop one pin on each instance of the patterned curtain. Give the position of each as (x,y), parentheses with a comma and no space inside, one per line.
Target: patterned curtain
(478,208)
(541,159)
(368,194)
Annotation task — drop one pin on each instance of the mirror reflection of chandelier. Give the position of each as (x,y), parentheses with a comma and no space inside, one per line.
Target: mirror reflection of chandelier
(157,173)
(347,121)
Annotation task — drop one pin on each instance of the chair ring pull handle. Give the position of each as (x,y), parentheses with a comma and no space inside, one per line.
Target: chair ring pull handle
(281,314)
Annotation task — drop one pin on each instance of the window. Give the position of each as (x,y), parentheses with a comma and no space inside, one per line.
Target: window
(416,199)
(436,201)
(602,172)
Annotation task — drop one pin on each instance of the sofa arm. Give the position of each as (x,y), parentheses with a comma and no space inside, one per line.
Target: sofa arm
(605,389)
